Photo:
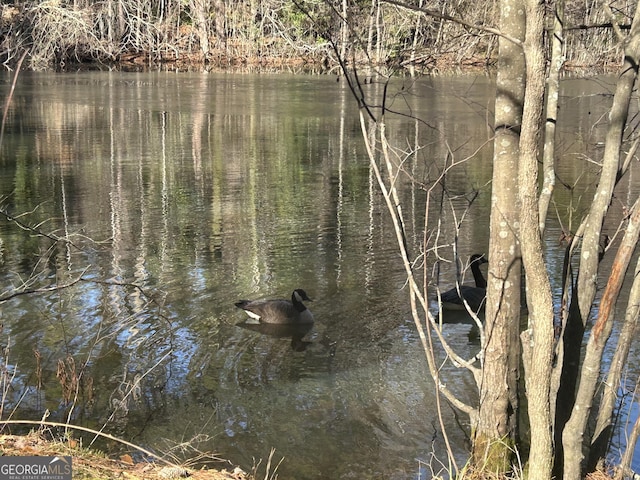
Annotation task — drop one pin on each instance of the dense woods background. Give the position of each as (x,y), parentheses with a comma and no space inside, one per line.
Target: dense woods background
(61,34)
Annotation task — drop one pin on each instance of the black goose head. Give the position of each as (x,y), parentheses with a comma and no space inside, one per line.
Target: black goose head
(297,297)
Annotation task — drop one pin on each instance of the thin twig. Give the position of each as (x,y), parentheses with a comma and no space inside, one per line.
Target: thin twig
(10,96)
(51,288)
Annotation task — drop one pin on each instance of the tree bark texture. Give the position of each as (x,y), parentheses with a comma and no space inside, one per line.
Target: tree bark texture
(496,431)
(538,340)
(574,432)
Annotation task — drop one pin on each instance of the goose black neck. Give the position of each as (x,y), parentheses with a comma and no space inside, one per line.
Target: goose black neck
(297,304)
(477,275)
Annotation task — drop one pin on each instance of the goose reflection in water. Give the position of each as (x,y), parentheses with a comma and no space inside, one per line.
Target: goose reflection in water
(296,332)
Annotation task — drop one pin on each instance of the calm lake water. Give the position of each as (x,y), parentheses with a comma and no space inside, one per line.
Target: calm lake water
(182,193)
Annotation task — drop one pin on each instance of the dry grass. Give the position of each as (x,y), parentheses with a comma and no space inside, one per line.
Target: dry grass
(598,475)
(89,464)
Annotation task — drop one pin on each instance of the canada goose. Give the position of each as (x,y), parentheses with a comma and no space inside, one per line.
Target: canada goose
(475,296)
(279,311)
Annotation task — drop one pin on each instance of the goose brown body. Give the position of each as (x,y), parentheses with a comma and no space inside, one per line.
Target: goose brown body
(279,311)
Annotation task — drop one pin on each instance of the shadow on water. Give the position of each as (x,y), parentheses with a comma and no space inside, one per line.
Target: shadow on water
(295,332)
(459,316)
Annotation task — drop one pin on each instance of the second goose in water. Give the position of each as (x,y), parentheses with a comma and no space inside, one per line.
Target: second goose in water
(475,296)
(279,311)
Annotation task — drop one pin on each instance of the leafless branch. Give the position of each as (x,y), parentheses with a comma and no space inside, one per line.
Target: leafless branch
(459,21)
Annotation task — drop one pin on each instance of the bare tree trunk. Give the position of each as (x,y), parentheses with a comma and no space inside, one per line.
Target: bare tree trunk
(416,38)
(496,431)
(625,464)
(585,288)
(538,340)
(602,197)
(379,40)
(573,435)
(553,92)
(549,178)
(630,328)
(219,11)
(344,31)
(200,15)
